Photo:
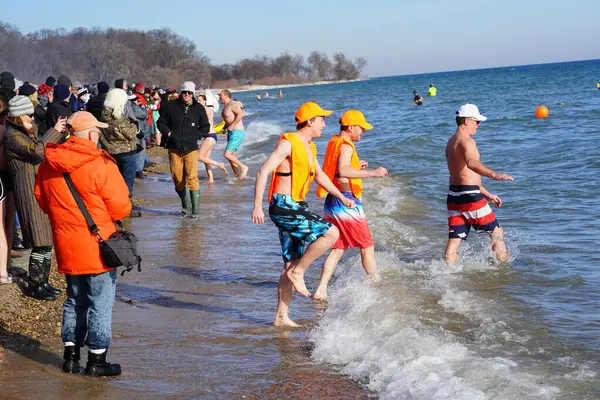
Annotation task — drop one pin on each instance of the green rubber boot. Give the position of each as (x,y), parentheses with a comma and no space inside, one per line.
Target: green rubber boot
(186,207)
(195,196)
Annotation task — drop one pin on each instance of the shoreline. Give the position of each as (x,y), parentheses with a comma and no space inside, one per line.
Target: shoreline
(145,298)
(250,88)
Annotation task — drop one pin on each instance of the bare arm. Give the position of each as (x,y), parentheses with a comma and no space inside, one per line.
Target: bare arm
(236,109)
(346,171)
(323,180)
(281,152)
(473,163)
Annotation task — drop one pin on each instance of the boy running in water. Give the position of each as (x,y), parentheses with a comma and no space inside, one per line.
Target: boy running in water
(346,170)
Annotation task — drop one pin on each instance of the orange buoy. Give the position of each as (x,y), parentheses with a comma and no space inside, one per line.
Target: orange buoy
(541,112)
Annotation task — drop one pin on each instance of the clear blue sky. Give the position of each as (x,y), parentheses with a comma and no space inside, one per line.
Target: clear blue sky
(396,36)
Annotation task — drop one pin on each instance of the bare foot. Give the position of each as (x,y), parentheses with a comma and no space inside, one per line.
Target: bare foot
(244,172)
(222,166)
(210,181)
(374,278)
(285,323)
(297,280)
(320,296)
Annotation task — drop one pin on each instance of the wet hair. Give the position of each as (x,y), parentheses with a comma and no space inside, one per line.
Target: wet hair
(461,120)
(226,93)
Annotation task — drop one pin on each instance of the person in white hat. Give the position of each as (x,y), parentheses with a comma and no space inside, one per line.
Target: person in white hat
(467,200)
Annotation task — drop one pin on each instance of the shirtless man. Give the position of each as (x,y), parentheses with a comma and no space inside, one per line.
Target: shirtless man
(346,170)
(232,115)
(467,199)
(304,236)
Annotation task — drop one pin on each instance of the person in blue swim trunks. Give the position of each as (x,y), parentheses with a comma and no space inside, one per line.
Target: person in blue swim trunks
(208,144)
(234,126)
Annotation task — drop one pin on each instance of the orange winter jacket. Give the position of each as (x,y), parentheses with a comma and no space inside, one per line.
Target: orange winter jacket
(302,174)
(101,187)
(330,165)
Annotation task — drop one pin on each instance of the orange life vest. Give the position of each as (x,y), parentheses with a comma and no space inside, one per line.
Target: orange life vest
(330,165)
(302,176)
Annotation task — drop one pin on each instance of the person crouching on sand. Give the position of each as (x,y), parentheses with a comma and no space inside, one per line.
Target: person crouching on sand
(346,170)
(304,236)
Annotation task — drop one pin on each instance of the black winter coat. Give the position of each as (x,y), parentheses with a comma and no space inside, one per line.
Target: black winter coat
(57,109)
(96,104)
(186,126)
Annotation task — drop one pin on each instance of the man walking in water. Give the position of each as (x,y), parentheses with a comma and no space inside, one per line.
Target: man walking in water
(232,115)
(304,236)
(346,170)
(467,199)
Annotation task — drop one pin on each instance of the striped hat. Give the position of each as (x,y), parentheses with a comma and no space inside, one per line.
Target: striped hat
(20,105)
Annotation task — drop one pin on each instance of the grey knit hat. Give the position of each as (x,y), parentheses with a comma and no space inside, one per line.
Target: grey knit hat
(20,105)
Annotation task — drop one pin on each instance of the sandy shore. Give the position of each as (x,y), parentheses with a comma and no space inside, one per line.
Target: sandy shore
(258,88)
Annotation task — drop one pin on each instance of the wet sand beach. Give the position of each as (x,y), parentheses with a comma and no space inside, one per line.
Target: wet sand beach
(196,322)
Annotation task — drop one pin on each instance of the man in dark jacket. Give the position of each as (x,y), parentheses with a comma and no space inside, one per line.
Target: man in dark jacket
(96,103)
(182,123)
(73,100)
(60,106)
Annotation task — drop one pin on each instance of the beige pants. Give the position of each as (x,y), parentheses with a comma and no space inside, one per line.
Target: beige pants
(184,170)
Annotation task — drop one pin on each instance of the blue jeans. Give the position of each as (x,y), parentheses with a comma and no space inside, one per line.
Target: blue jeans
(87,311)
(127,167)
(141,157)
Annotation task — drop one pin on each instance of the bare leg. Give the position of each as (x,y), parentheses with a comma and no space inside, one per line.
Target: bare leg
(367,257)
(284,298)
(4,249)
(451,255)
(233,160)
(314,251)
(209,173)
(498,245)
(204,156)
(329,266)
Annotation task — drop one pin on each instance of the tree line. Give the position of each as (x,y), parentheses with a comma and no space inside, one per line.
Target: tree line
(156,57)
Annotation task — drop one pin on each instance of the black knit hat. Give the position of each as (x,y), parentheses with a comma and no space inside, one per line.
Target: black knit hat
(7,80)
(50,81)
(27,90)
(64,80)
(103,87)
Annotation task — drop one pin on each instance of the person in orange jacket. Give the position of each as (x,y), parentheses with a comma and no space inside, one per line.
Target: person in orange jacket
(90,284)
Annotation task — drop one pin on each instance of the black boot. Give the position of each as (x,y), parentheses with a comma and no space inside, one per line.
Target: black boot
(71,357)
(49,288)
(98,366)
(35,287)
(186,207)
(37,291)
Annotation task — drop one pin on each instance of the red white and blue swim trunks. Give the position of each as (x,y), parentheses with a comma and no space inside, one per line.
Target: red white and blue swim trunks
(468,208)
(351,222)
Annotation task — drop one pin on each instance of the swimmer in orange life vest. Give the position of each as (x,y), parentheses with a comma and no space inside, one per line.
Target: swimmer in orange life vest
(304,236)
(346,170)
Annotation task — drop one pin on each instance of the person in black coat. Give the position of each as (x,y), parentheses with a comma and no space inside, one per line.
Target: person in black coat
(96,103)
(182,123)
(60,106)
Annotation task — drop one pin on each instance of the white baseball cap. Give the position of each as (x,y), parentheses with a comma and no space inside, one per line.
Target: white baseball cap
(188,86)
(470,111)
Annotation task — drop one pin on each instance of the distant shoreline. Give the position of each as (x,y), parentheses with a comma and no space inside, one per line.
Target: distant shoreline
(250,88)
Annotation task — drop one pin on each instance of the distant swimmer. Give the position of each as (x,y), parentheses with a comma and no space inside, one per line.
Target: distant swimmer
(467,200)
(417,99)
(232,115)
(598,84)
(266,95)
(258,96)
(432,92)
(280,95)
(346,171)
(304,236)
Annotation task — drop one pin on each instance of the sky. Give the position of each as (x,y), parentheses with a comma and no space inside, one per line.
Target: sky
(397,37)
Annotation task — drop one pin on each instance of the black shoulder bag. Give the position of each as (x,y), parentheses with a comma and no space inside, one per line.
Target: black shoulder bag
(120,250)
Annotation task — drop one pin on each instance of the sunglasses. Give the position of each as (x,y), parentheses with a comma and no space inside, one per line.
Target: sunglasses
(31,115)
(187,93)
(478,122)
